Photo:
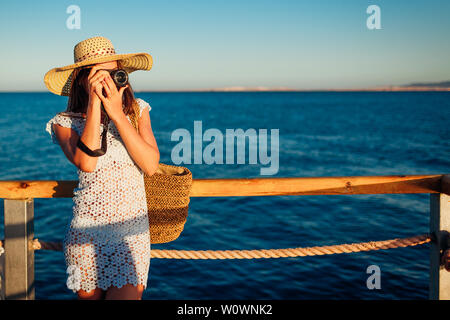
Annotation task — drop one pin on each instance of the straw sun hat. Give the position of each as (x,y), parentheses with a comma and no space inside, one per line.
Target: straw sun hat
(91,51)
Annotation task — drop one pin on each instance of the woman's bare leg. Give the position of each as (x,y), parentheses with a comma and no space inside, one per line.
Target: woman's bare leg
(96,294)
(127,292)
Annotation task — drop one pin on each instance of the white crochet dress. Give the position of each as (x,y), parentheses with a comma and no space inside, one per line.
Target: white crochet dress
(107,242)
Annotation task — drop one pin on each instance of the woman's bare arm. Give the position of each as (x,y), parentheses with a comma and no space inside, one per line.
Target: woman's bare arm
(68,140)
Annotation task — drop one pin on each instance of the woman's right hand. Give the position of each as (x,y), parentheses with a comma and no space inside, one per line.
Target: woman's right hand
(94,81)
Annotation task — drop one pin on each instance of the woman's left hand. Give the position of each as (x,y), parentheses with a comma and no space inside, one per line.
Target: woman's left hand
(113,101)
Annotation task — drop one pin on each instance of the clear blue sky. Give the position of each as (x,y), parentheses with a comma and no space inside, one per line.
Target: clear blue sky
(202,44)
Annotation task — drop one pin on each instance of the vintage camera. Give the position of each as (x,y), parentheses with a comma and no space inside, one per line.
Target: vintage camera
(120,77)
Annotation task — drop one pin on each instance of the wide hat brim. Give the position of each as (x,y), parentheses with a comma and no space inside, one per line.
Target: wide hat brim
(59,80)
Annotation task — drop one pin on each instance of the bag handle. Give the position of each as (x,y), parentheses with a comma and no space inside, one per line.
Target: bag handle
(135,118)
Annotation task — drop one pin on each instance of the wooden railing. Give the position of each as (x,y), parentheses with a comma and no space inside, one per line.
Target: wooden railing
(19,214)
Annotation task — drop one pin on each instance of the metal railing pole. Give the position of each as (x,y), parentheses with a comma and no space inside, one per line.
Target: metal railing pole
(19,253)
(440,228)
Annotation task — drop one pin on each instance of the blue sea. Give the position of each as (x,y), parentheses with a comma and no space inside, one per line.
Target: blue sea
(321,134)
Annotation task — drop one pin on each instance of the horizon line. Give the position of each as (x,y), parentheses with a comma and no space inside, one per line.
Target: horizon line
(268,89)
(424,89)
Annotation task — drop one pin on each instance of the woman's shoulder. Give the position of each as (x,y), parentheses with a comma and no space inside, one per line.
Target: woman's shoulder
(65,119)
(142,105)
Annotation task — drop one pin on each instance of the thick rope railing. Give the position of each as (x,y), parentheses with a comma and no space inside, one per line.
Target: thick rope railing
(266,253)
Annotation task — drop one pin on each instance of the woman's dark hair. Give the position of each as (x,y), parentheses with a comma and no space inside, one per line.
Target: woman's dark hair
(79,98)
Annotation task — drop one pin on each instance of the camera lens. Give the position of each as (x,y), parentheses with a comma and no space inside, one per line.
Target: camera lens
(120,77)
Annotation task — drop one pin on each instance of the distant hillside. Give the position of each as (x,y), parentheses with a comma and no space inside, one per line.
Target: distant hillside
(418,86)
(443,84)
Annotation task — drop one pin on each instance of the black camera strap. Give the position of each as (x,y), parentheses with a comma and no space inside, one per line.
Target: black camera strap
(97,152)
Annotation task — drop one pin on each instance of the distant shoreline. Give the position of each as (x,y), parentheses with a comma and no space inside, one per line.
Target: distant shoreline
(380,89)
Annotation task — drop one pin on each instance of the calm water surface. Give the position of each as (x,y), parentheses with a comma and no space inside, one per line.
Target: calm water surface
(320,134)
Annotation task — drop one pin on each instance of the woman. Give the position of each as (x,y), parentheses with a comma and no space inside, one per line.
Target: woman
(107,243)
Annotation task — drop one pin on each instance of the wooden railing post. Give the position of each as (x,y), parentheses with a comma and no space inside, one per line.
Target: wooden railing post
(19,253)
(440,228)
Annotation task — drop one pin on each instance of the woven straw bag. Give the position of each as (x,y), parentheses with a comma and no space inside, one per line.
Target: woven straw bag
(167,192)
